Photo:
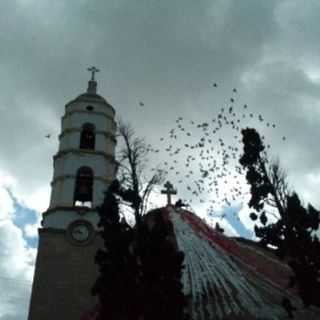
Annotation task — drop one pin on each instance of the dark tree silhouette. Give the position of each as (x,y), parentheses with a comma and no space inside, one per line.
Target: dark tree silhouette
(264,178)
(293,233)
(140,270)
(116,285)
(162,265)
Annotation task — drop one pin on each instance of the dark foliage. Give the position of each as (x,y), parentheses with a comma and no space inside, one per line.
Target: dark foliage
(116,285)
(255,164)
(162,267)
(140,270)
(287,305)
(293,233)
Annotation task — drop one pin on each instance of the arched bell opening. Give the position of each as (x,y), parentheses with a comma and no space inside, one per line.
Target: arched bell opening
(83,191)
(87,137)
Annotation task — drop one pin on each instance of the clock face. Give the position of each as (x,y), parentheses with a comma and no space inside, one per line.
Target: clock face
(80,231)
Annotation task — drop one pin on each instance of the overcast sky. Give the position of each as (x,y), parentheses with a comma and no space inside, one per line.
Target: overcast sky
(166,54)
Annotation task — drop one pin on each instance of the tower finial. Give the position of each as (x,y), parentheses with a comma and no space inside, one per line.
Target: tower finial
(93,70)
(92,84)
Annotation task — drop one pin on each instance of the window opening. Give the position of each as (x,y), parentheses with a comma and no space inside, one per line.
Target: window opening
(83,187)
(87,137)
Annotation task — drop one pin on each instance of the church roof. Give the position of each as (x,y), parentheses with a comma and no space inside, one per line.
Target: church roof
(226,278)
(91,96)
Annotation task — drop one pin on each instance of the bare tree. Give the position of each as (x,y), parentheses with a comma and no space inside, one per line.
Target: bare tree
(133,169)
(280,189)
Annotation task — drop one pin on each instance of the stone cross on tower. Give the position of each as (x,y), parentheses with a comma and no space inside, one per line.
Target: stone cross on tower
(92,84)
(168,191)
(93,70)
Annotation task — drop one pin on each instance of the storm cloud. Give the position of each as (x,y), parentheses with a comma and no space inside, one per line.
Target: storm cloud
(166,54)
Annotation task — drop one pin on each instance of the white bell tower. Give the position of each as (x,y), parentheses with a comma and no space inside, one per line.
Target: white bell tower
(85,163)
(83,168)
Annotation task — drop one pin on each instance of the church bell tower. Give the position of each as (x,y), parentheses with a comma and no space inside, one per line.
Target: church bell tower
(83,168)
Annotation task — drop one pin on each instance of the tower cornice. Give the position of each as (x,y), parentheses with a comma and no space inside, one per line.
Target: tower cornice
(61,209)
(61,153)
(90,98)
(68,113)
(51,230)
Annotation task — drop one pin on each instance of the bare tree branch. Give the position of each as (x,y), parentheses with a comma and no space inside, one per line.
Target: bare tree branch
(132,168)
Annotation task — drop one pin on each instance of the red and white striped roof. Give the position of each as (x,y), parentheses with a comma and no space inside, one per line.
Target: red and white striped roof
(228,279)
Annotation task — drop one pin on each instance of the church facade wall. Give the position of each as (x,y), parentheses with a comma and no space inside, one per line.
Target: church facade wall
(63,191)
(103,142)
(64,277)
(69,163)
(76,119)
(63,218)
(70,138)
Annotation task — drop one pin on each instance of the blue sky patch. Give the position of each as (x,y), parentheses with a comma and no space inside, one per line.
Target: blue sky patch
(23,216)
(232,216)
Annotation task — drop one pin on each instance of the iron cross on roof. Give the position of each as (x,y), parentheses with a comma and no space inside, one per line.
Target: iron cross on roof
(93,70)
(168,191)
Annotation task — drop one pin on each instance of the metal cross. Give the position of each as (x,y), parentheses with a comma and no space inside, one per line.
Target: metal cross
(168,191)
(93,70)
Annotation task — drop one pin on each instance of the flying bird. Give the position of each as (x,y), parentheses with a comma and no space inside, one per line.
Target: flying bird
(207,168)
(141,104)
(48,136)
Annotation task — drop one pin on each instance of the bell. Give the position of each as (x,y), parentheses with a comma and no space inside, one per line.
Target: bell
(83,188)
(83,191)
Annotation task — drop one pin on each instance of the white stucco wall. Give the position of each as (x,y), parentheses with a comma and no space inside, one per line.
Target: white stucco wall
(98,107)
(99,189)
(76,120)
(71,140)
(67,163)
(63,191)
(65,173)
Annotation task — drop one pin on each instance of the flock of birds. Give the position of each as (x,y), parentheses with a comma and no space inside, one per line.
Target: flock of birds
(202,158)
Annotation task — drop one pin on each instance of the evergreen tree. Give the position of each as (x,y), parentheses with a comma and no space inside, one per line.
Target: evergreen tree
(293,233)
(162,266)
(116,285)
